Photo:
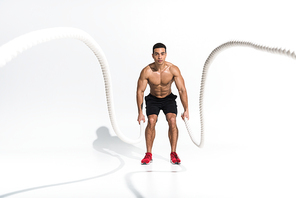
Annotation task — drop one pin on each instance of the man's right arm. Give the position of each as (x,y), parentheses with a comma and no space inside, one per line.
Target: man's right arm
(142,84)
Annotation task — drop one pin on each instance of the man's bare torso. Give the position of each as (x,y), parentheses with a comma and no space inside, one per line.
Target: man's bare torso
(160,80)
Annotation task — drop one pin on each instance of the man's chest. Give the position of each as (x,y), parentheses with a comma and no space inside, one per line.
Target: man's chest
(160,78)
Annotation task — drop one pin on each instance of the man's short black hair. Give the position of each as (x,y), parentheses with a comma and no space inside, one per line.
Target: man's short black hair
(158,45)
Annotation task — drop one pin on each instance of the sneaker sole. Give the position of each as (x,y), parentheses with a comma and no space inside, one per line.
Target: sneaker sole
(177,163)
(147,163)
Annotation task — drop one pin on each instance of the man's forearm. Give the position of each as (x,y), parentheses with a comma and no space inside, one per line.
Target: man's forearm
(184,99)
(140,102)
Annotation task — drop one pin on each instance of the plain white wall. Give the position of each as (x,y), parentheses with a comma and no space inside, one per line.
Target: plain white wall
(54,92)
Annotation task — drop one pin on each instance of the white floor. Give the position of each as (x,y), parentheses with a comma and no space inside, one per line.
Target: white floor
(230,165)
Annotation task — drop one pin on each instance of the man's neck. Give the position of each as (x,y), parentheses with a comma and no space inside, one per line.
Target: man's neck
(160,67)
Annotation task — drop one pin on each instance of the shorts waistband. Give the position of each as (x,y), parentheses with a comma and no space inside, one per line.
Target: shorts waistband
(170,95)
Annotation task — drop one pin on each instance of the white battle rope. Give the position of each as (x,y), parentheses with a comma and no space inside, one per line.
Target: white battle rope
(207,66)
(16,46)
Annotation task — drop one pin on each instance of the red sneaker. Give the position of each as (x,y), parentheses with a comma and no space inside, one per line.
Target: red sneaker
(147,159)
(174,158)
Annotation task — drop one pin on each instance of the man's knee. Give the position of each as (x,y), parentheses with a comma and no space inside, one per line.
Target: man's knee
(152,119)
(171,119)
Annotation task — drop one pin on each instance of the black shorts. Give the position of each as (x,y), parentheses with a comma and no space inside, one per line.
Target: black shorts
(167,104)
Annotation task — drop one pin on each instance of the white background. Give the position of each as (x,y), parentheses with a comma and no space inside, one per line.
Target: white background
(54,125)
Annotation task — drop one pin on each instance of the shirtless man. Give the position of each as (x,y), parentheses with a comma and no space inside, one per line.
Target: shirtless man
(160,75)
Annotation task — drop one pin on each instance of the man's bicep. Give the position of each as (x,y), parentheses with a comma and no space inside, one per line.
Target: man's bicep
(142,82)
(179,81)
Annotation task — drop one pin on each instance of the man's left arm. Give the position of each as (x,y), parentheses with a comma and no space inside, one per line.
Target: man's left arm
(180,84)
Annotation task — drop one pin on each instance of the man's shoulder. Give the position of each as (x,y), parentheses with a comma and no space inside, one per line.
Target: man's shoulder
(169,64)
(149,68)
(173,68)
(146,71)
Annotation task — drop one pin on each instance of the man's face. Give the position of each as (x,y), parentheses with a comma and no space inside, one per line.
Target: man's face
(159,55)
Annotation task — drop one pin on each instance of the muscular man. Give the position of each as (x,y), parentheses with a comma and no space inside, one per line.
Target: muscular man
(160,75)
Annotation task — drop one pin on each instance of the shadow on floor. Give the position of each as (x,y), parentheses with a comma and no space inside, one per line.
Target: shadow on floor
(105,143)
